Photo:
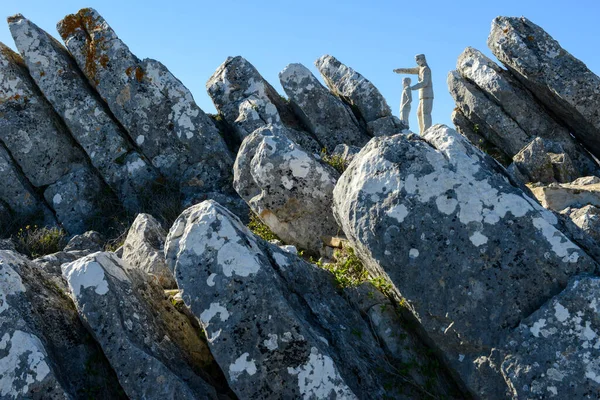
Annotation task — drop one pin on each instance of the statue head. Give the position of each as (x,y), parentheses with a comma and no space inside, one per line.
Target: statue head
(420,59)
(406,82)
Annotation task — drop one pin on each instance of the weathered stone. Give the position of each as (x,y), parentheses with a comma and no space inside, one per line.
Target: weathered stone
(45,352)
(144,249)
(275,324)
(502,131)
(58,77)
(154,350)
(353,88)
(90,242)
(560,81)
(325,116)
(19,196)
(587,218)
(386,126)
(247,102)
(41,146)
(544,161)
(345,152)
(555,352)
(520,105)
(557,197)
(51,263)
(470,254)
(6,244)
(286,187)
(158,112)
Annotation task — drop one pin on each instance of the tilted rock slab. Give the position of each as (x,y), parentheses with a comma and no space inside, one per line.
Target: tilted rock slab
(58,77)
(361,94)
(43,149)
(275,324)
(555,352)
(144,249)
(520,105)
(470,253)
(45,352)
(560,81)
(286,187)
(557,197)
(545,161)
(587,218)
(248,102)
(19,196)
(155,108)
(138,329)
(325,115)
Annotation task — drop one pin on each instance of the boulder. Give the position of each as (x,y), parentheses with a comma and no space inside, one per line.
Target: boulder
(45,352)
(560,81)
(386,126)
(275,324)
(325,116)
(587,218)
(154,107)
(469,253)
(89,242)
(143,249)
(557,197)
(42,147)
(155,351)
(520,105)
(286,187)
(545,161)
(58,77)
(347,153)
(248,102)
(555,352)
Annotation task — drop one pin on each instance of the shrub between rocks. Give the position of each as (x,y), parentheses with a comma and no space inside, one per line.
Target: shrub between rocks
(36,242)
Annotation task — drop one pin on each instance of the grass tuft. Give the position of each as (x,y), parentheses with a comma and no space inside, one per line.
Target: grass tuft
(36,242)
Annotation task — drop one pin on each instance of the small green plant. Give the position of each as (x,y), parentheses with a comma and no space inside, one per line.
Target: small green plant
(336,161)
(381,284)
(36,242)
(347,268)
(260,229)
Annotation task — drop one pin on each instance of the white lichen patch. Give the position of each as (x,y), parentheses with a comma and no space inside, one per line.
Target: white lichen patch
(10,284)
(561,313)
(85,273)
(215,308)
(319,378)
(210,281)
(271,342)
(560,244)
(535,329)
(398,212)
(23,365)
(478,239)
(240,365)
(57,199)
(413,253)
(280,259)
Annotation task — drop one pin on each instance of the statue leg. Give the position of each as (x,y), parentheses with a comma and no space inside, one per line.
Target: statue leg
(404,114)
(420,117)
(427,107)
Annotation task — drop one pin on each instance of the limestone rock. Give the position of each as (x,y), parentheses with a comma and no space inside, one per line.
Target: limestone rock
(587,218)
(275,324)
(520,105)
(89,242)
(471,254)
(545,161)
(557,197)
(560,81)
(386,126)
(45,352)
(555,352)
(144,249)
(248,102)
(324,114)
(286,187)
(345,152)
(58,77)
(354,88)
(42,147)
(158,112)
(139,331)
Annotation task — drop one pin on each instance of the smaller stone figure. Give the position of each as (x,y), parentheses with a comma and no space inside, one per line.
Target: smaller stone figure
(405,101)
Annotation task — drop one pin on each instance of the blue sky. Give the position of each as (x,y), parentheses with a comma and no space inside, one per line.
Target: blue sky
(192,38)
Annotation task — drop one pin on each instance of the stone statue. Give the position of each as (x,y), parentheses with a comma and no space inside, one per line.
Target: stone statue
(405,101)
(425,88)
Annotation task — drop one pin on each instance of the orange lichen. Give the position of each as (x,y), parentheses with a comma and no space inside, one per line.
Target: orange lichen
(42,73)
(103,60)
(69,25)
(139,74)
(128,71)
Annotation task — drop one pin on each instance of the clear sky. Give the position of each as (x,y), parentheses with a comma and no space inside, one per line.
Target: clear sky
(192,38)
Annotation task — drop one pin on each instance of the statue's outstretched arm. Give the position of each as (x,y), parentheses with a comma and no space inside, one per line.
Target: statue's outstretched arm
(414,71)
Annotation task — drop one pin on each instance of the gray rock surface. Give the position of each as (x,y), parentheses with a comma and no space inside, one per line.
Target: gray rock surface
(248,102)
(587,218)
(326,117)
(286,187)
(555,352)
(545,161)
(386,126)
(58,77)
(90,242)
(275,324)
(140,332)
(346,152)
(155,108)
(560,81)
(143,249)
(45,352)
(471,254)
(42,147)
(521,106)
(557,197)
